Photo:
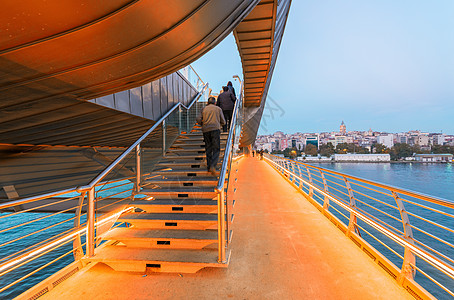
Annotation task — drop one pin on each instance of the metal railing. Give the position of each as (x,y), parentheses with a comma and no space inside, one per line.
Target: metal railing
(167,120)
(41,232)
(409,229)
(192,76)
(224,205)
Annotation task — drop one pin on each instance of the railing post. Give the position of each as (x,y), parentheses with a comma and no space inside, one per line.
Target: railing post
(77,244)
(196,110)
(311,190)
(91,223)
(300,174)
(164,138)
(187,120)
(138,167)
(293,170)
(179,120)
(221,226)
(407,270)
(352,223)
(325,188)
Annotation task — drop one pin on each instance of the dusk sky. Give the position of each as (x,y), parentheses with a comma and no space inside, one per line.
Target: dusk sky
(386,65)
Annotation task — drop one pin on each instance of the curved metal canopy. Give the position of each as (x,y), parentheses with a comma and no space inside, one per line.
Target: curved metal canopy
(85,49)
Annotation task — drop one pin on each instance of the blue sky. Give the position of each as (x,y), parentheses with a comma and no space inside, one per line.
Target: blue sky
(386,65)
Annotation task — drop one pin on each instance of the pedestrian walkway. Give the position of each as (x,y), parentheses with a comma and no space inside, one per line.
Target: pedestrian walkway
(283,248)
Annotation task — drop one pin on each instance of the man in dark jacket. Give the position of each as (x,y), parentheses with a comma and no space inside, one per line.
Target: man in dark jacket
(211,120)
(226,101)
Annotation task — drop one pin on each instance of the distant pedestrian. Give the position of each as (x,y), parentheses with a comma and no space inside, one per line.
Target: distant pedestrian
(211,119)
(226,101)
(231,88)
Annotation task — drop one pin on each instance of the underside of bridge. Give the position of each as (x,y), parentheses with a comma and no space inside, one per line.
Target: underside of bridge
(258,38)
(55,57)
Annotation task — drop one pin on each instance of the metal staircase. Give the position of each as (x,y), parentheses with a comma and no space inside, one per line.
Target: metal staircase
(174,228)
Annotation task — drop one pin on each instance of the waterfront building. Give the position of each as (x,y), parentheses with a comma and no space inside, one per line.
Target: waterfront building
(422,140)
(438,139)
(340,139)
(266,146)
(433,157)
(283,144)
(313,140)
(314,158)
(402,139)
(293,143)
(277,145)
(362,157)
(387,140)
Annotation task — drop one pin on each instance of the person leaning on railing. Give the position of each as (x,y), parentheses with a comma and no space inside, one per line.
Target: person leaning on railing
(211,119)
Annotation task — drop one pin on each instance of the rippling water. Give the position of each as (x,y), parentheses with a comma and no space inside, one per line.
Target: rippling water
(431,179)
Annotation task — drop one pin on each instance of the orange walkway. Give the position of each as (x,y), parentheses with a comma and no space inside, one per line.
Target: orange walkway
(283,248)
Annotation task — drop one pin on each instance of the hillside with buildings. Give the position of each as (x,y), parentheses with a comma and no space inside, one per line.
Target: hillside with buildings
(408,145)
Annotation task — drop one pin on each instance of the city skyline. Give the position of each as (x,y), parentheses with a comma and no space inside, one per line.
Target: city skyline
(361,130)
(364,140)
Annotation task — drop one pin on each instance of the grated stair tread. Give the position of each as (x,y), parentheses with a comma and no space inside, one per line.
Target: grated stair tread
(172,202)
(120,253)
(137,233)
(169,172)
(179,190)
(183,179)
(168,217)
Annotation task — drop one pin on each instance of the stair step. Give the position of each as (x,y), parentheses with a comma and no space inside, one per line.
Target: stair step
(145,260)
(184,150)
(167,239)
(182,181)
(184,172)
(199,145)
(197,157)
(199,135)
(190,164)
(200,206)
(192,143)
(170,220)
(185,192)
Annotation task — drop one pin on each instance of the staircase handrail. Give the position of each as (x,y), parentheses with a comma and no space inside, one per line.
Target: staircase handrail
(110,167)
(97,179)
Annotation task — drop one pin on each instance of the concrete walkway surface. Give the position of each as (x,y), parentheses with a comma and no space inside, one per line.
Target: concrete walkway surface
(283,248)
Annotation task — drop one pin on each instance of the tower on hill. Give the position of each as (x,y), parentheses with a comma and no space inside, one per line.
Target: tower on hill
(343,128)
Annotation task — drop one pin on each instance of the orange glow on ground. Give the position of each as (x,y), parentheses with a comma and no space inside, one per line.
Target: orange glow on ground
(283,248)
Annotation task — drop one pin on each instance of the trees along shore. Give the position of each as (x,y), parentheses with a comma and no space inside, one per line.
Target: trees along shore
(397,152)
